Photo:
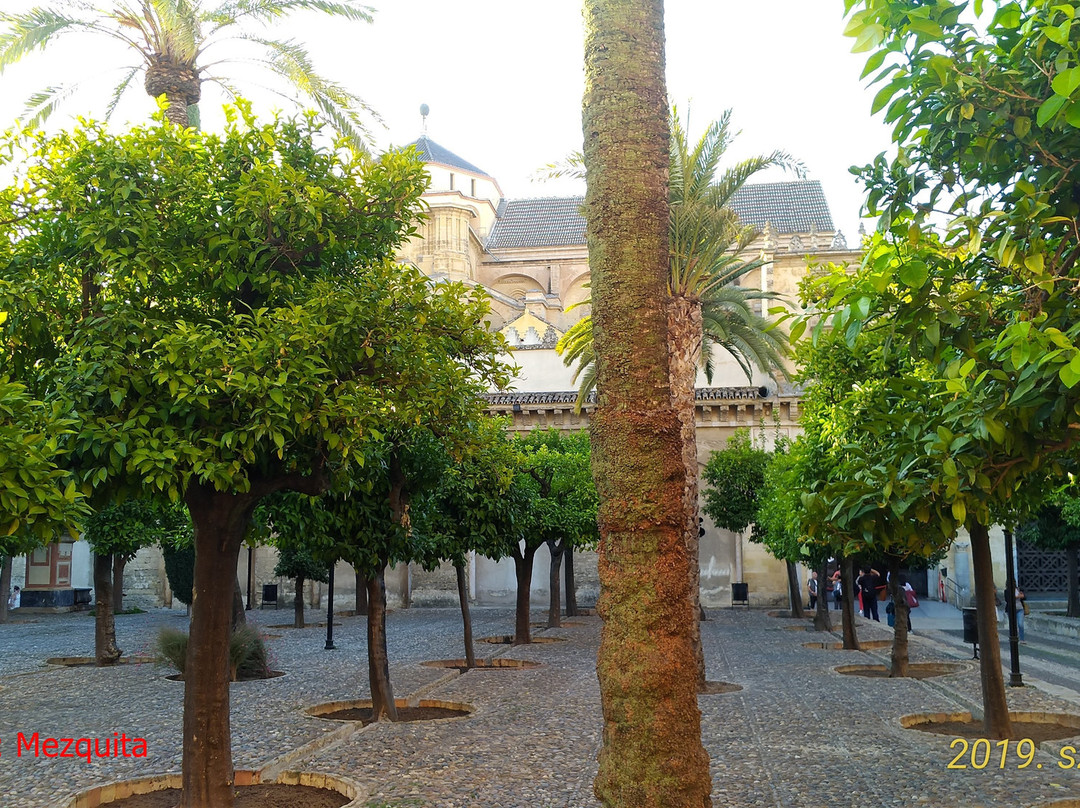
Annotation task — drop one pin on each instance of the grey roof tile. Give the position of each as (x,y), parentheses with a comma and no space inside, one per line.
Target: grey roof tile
(788,207)
(570,396)
(432,152)
(544,222)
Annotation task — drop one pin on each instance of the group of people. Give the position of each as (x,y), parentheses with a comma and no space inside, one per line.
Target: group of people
(868,588)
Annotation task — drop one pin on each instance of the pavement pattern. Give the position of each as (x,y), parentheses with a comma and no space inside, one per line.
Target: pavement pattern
(798,734)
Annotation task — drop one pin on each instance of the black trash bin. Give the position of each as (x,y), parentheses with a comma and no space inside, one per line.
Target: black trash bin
(269,595)
(971,627)
(740,593)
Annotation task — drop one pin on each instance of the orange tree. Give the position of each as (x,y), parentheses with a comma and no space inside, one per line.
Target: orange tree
(227,322)
(985,114)
(38,496)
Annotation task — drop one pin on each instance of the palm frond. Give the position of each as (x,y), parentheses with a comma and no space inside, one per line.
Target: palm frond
(34,29)
(43,103)
(572,167)
(121,88)
(729,322)
(576,346)
(230,13)
(291,61)
(176,23)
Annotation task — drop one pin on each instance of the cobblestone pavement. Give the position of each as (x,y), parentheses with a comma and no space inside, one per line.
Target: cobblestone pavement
(798,734)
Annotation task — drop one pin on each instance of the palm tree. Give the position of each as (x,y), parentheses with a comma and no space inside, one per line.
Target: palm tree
(706,242)
(176,42)
(652,753)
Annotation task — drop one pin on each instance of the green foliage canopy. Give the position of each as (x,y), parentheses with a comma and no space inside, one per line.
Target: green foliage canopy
(736,477)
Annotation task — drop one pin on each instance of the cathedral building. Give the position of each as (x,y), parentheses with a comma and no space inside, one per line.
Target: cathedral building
(530,257)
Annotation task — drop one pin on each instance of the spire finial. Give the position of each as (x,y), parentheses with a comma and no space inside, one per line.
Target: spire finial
(424,110)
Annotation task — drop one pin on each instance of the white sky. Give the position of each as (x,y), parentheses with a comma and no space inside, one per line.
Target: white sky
(504,81)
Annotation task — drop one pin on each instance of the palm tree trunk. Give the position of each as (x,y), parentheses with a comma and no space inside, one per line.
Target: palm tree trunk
(105,649)
(996,721)
(652,754)
(466,617)
(684,353)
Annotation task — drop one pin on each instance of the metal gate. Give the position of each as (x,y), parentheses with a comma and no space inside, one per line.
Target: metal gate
(1040,570)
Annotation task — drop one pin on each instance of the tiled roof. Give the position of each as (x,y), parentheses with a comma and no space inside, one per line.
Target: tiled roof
(569,397)
(546,222)
(432,152)
(788,207)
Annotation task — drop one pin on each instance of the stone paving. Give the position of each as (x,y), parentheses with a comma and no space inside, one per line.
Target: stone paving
(797,735)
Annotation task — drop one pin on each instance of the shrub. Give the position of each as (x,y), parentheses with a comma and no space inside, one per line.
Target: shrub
(180,570)
(247,652)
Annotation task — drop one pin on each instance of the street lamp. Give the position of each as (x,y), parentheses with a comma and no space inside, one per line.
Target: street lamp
(330,610)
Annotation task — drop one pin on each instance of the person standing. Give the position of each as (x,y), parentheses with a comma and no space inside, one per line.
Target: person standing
(15,601)
(838,590)
(868,583)
(1020,612)
(812,586)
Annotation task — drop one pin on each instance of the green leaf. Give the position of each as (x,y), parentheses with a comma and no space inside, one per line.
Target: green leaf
(1049,108)
(914,274)
(933,334)
(959,511)
(1072,114)
(1066,82)
(967,110)
(1021,126)
(1008,16)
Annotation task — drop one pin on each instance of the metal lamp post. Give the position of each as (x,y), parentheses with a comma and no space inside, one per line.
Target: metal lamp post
(1015,679)
(330,610)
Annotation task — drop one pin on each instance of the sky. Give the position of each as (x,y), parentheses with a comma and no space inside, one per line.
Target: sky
(504,82)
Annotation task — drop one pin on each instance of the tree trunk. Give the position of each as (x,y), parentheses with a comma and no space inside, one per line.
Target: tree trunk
(822,619)
(899,665)
(523,570)
(996,721)
(794,593)
(555,595)
(571,587)
(239,618)
(220,521)
(684,351)
(847,603)
(382,694)
(105,649)
(361,593)
(177,113)
(652,755)
(1073,609)
(466,618)
(119,563)
(5,586)
(298,603)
